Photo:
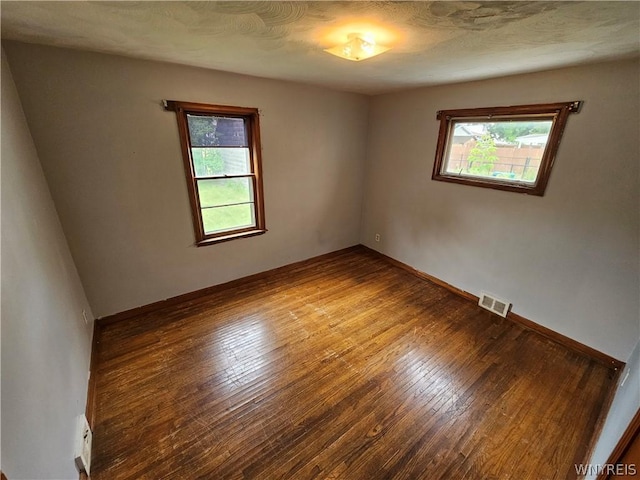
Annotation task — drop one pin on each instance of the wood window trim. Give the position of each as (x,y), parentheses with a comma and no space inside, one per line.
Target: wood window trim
(557,112)
(252,117)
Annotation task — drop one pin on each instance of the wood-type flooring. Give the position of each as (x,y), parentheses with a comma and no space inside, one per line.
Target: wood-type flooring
(342,367)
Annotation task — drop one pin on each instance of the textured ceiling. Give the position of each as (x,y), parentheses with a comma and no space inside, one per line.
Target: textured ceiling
(432,42)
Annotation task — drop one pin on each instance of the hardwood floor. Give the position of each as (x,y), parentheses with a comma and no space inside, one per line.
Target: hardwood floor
(342,368)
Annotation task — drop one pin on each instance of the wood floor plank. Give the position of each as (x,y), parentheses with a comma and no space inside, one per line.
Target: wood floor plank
(343,368)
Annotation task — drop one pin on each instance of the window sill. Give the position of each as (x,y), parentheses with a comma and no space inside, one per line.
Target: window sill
(530,189)
(232,236)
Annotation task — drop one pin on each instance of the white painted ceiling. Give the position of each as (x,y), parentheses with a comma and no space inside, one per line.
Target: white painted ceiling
(432,42)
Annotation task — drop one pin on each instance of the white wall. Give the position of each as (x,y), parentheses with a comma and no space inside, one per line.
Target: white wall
(112,158)
(625,405)
(568,260)
(45,342)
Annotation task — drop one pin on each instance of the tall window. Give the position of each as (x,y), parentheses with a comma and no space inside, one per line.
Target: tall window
(507,148)
(221,152)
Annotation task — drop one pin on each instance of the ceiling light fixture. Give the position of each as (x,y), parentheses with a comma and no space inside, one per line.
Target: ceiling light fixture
(358,47)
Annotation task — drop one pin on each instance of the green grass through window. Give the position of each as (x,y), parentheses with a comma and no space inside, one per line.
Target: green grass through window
(221,195)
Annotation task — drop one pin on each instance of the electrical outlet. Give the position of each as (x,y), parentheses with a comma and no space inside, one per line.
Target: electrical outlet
(82,451)
(84,315)
(377,237)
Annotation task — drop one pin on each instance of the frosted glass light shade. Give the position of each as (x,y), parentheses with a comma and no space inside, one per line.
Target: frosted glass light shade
(359,47)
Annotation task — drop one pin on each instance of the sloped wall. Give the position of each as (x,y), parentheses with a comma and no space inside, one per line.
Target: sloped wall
(46,344)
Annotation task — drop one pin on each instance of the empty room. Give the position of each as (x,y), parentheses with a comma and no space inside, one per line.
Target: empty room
(320,240)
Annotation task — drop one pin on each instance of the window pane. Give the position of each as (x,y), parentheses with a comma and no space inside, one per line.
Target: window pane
(221,151)
(219,219)
(225,191)
(221,161)
(212,131)
(499,150)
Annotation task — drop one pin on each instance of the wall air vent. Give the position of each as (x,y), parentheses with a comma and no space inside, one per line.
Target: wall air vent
(493,304)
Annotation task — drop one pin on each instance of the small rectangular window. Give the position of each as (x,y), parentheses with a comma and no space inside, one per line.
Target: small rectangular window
(221,153)
(507,148)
